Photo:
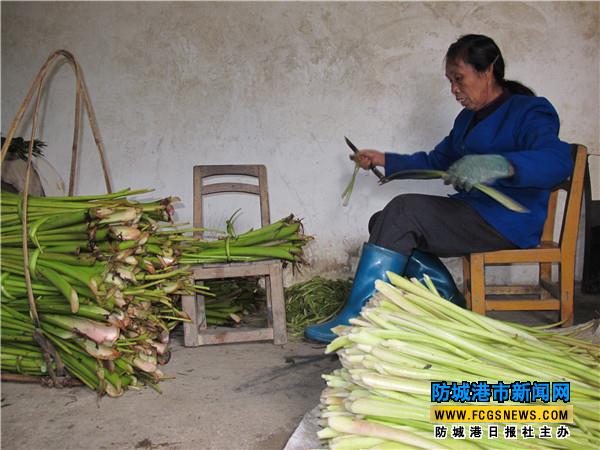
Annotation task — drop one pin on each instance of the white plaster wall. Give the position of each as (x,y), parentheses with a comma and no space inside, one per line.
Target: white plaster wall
(176,84)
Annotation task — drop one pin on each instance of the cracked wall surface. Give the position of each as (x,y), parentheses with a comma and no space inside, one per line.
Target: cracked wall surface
(185,83)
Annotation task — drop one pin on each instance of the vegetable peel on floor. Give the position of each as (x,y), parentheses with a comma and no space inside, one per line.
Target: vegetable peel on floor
(314,301)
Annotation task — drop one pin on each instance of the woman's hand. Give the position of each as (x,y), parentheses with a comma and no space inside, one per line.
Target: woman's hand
(368,159)
(472,169)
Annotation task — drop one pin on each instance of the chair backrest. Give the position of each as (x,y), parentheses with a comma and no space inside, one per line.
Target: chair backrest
(574,188)
(201,189)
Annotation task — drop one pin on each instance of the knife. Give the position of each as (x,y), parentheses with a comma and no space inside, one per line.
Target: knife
(375,170)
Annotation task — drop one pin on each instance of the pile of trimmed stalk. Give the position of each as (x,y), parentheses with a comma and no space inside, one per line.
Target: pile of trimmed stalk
(233,298)
(407,336)
(283,240)
(313,302)
(105,280)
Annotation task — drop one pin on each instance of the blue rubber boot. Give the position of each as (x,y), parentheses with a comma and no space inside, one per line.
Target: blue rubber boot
(421,263)
(374,262)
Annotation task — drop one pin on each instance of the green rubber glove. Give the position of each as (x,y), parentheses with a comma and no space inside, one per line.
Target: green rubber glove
(472,169)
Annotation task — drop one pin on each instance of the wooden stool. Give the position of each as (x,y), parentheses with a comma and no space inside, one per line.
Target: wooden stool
(197,333)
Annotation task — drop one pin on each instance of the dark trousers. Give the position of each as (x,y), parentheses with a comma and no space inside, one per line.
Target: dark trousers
(442,226)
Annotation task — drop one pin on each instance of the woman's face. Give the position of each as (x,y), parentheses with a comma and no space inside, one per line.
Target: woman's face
(471,89)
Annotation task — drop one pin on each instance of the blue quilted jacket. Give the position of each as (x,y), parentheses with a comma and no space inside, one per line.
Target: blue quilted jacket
(525,131)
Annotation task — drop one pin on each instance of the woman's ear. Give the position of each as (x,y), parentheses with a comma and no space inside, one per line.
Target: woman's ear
(488,74)
(484,75)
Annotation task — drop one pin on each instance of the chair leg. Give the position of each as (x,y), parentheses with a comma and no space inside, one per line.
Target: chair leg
(277,305)
(545,276)
(546,272)
(567,288)
(477,284)
(467,281)
(190,329)
(201,315)
(269,295)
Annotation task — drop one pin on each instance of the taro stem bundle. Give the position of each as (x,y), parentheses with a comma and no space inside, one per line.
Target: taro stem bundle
(283,240)
(233,299)
(408,336)
(105,280)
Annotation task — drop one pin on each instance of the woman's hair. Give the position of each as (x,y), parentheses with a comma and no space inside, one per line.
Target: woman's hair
(480,52)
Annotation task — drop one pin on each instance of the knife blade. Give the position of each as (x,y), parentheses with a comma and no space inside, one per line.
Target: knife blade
(375,170)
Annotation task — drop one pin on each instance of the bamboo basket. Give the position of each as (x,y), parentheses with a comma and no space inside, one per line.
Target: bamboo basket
(82,103)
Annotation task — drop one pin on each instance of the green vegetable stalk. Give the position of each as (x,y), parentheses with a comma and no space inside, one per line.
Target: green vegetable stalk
(408,336)
(106,276)
(104,302)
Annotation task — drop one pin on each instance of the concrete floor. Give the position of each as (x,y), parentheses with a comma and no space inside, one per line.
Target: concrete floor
(237,396)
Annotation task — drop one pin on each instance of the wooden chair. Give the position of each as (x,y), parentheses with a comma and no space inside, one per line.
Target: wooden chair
(197,333)
(546,295)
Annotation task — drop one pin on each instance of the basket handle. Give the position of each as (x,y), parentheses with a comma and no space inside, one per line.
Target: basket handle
(81,96)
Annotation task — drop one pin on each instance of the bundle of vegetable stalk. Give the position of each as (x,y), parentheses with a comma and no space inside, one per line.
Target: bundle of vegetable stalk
(235,297)
(104,279)
(407,336)
(106,274)
(232,299)
(282,239)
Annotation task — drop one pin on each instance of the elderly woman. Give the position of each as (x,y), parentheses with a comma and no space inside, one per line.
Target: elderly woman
(505,137)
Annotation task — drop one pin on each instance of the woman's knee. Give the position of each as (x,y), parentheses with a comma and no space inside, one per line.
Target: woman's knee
(373,220)
(400,210)
(405,203)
